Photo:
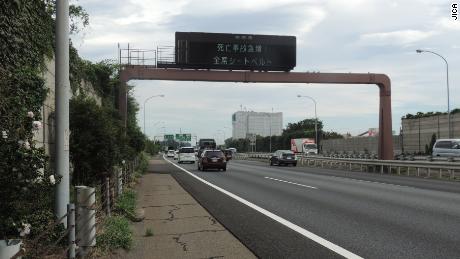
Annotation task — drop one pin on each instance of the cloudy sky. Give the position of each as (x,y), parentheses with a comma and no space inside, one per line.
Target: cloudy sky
(332,36)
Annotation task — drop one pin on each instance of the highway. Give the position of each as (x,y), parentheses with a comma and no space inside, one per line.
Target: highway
(299,212)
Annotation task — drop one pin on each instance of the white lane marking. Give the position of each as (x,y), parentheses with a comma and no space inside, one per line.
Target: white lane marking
(303,185)
(367,181)
(356,180)
(331,246)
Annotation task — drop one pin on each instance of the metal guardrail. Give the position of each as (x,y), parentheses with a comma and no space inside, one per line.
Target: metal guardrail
(436,168)
(361,156)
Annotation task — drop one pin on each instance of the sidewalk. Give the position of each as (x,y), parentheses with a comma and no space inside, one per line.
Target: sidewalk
(181,227)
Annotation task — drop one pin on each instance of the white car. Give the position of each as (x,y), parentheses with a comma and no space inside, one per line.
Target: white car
(186,154)
(170,153)
(446,147)
(176,155)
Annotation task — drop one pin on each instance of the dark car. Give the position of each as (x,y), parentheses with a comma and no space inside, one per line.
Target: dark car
(212,158)
(228,154)
(283,157)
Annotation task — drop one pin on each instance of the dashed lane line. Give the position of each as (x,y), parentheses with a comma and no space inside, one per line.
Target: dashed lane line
(331,246)
(283,181)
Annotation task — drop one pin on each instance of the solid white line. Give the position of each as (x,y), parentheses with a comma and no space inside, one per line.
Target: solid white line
(303,185)
(331,246)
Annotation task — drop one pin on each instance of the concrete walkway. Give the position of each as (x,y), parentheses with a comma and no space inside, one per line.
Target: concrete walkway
(181,227)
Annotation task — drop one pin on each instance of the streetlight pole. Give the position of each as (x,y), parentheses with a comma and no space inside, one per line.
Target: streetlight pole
(224,133)
(271,130)
(447,81)
(160,95)
(316,117)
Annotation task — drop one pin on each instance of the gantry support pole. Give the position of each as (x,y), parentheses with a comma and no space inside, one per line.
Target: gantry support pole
(385,143)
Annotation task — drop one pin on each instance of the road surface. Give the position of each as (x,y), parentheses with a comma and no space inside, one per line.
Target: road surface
(298,212)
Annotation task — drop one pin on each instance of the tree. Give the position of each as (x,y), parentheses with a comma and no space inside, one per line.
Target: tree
(94,142)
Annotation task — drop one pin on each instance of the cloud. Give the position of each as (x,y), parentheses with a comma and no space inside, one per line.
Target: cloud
(333,36)
(449,24)
(402,37)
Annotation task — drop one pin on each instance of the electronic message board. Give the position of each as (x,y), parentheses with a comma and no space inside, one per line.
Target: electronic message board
(235,51)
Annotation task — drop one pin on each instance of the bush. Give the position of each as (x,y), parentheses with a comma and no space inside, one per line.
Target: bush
(148,232)
(94,141)
(116,234)
(143,163)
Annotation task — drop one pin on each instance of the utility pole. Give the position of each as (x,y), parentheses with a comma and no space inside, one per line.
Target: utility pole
(62,89)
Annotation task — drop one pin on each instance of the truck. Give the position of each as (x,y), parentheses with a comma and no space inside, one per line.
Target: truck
(207,143)
(306,146)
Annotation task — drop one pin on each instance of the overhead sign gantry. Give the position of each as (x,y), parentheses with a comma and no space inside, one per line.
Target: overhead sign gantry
(193,66)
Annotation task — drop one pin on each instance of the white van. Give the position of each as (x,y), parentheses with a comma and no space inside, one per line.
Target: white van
(186,154)
(447,147)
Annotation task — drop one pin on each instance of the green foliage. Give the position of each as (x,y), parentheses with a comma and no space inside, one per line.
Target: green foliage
(116,234)
(143,163)
(26,35)
(136,138)
(98,140)
(148,232)
(101,76)
(428,114)
(78,16)
(26,38)
(126,203)
(95,140)
(152,147)
(301,129)
(331,135)
(27,191)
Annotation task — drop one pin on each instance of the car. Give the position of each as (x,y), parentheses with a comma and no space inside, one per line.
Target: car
(447,147)
(283,157)
(228,154)
(233,150)
(212,158)
(176,154)
(186,154)
(170,153)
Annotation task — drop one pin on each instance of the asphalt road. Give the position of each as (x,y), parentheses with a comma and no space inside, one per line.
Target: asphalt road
(368,215)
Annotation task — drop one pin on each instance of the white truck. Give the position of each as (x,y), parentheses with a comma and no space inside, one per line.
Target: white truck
(306,146)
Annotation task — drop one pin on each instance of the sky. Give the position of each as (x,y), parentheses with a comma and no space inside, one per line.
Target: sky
(357,36)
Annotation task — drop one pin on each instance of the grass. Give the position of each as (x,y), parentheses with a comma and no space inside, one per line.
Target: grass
(143,163)
(116,234)
(126,203)
(148,232)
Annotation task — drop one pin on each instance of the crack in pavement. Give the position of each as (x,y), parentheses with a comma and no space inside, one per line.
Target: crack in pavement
(169,205)
(166,194)
(183,244)
(213,221)
(213,257)
(192,232)
(171,213)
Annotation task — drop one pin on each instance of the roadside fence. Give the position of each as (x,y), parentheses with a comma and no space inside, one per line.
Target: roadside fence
(430,167)
(83,218)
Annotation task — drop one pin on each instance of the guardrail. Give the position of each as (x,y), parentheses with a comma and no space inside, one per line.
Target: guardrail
(430,169)
(360,156)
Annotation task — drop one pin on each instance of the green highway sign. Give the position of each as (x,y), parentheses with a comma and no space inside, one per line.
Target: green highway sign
(169,137)
(184,137)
